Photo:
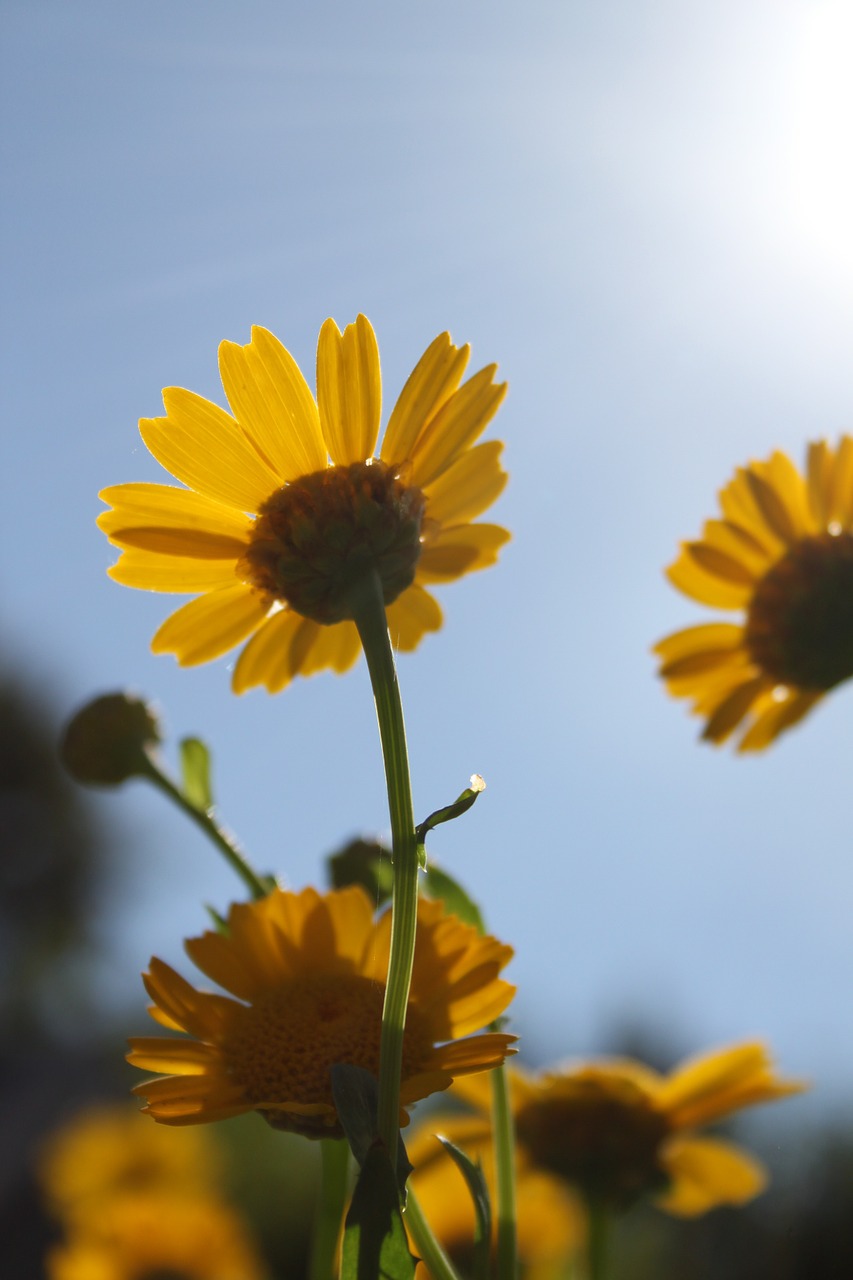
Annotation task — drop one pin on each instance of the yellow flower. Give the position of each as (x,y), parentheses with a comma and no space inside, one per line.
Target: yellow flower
(551,1221)
(137,1237)
(782,553)
(113,1150)
(616,1130)
(287,509)
(311,970)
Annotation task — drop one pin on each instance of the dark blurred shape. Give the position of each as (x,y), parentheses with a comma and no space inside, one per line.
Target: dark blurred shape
(48,864)
(364,862)
(107,741)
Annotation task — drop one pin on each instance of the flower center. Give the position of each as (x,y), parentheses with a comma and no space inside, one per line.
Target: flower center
(799,627)
(604,1143)
(316,538)
(282,1047)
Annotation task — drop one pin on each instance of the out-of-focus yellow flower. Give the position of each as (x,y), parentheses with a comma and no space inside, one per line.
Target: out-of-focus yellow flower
(309,972)
(616,1130)
(286,508)
(551,1221)
(138,1237)
(782,555)
(115,1150)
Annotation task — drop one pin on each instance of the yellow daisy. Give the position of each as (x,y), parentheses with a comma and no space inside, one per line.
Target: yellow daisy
(616,1130)
(138,1237)
(782,554)
(309,972)
(286,507)
(114,1150)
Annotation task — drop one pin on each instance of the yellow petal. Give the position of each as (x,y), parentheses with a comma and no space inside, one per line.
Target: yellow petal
(468,487)
(411,616)
(430,384)
(157,512)
(738,504)
(701,584)
(173,1056)
(732,708)
(720,564)
(791,487)
(774,511)
(205,449)
(211,624)
(819,469)
(715,1084)
(460,550)
(149,571)
(273,404)
(265,659)
(738,544)
(707,1172)
(456,426)
(841,492)
(698,639)
(777,718)
(349,390)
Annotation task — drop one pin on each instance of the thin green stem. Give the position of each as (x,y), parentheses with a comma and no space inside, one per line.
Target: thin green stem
(369,615)
(257,886)
(503,1136)
(599,1239)
(436,1260)
(330,1213)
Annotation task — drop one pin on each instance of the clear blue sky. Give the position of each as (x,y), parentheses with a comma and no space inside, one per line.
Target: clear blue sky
(642,211)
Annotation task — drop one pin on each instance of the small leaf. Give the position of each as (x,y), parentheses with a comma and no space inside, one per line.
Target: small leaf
(476,1183)
(438,884)
(364,862)
(195,773)
(375,1245)
(356,1094)
(220,924)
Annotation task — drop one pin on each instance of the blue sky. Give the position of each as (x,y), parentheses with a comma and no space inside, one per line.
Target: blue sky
(641,211)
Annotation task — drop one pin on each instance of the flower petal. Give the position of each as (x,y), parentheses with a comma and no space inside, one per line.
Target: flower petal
(430,384)
(732,708)
(172,1056)
(715,1084)
(782,715)
(707,636)
(456,426)
(707,1172)
(160,517)
(703,584)
(150,571)
(265,659)
(460,550)
(205,449)
(840,504)
(411,616)
(273,404)
(210,625)
(468,487)
(349,390)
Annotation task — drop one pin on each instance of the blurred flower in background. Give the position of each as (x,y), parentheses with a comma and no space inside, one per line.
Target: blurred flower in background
(782,553)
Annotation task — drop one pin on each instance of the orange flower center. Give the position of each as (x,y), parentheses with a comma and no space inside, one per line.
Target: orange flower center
(604,1138)
(799,627)
(316,538)
(282,1047)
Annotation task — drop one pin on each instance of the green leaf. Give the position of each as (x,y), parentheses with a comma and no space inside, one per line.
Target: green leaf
(476,1183)
(356,1094)
(438,884)
(195,773)
(364,862)
(220,924)
(375,1245)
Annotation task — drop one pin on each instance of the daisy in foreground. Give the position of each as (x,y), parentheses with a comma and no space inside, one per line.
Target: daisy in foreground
(309,972)
(287,509)
(782,555)
(616,1130)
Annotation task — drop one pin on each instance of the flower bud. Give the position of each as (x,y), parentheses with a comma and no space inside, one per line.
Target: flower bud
(108,740)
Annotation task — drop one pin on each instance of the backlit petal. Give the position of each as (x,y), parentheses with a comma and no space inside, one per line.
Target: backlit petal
(468,487)
(183,575)
(349,390)
(456,426)
(707,1172)
(430,384)
(460,550)
(211,624)
(411,616)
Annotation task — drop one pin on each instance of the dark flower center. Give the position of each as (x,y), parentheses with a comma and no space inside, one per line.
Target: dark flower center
(316,538)
(799,627)
(605,1143)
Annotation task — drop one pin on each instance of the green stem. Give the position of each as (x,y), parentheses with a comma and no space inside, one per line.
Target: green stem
(433,1256)
(257,886)
(330,1214)
(368,611)
(503,1136)
(599,1239)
